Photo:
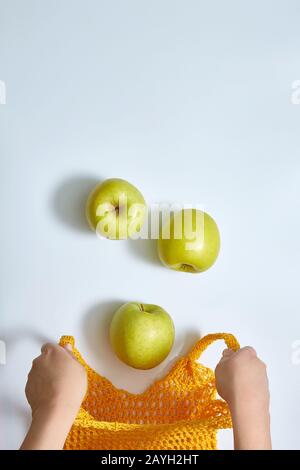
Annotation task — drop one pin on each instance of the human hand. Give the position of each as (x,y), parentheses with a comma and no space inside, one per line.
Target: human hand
(56,380)
(55,389)
(241,380)
(241,375)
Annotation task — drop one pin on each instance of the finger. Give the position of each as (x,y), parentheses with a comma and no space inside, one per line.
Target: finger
(249,349)
(46,348)
(69,350)
(36,360)
(227,352)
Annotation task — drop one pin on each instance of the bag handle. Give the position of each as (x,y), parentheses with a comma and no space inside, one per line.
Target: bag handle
(67,340)
(71,340)
(193,355)
(203,343)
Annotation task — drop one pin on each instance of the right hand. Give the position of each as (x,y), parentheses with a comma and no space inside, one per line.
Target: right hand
(241,375)
(56,380)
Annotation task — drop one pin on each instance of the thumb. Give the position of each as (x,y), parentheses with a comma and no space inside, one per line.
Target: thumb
(227,352)
(69,349)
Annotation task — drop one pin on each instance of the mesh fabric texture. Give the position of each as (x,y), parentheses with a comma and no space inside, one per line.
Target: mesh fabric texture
(179,411)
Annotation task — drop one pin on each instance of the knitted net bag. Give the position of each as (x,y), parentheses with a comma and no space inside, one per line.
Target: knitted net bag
(179,411)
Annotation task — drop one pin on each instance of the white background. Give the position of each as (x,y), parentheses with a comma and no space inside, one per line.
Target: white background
(191,102)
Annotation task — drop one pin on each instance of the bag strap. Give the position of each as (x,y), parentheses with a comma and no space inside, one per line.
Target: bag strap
(67,340)
(71,340)
(196,351)
(203,343)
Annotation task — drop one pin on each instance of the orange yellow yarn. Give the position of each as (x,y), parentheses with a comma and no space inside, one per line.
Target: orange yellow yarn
(179,411)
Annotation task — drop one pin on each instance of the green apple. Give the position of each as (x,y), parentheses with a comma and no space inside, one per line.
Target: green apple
(116,209)
(141,335)
(195,247)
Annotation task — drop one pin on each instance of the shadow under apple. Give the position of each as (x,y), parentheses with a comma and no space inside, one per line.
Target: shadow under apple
(69,201)
(145,250)
(102,358)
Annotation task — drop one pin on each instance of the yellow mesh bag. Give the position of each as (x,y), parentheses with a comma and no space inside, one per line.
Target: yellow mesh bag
(179,411)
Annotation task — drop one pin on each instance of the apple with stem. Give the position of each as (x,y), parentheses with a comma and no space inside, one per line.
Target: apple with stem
(141,335)
(116,209)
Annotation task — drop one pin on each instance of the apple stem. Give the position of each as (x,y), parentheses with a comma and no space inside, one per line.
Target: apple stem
(142,307)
